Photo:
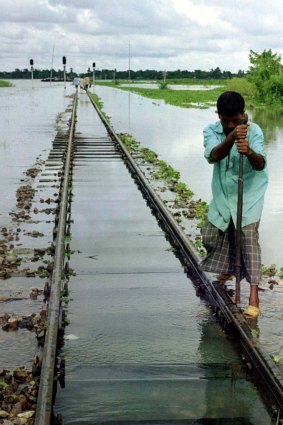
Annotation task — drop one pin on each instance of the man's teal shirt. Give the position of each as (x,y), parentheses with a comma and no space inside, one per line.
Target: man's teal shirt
(225,179)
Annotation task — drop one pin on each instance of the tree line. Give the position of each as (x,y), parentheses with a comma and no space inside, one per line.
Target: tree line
(109,74)
(263,81)
(266,75)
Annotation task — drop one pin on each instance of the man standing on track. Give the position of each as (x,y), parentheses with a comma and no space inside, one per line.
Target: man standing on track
(223,142)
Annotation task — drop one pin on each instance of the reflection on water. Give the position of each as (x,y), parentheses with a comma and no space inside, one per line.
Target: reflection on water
(170,86)
(145,347)
(150,348)
(27,118)
(175,134)
(271,121)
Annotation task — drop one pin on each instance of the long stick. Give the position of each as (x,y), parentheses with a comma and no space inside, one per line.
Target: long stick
(52,63)
(238,231)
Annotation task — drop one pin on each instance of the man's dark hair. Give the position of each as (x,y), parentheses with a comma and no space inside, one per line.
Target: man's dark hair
(230,103)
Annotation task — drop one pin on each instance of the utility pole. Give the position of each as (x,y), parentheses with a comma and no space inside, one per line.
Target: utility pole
(93,75)
(164,76)
(129,61)
(52,63)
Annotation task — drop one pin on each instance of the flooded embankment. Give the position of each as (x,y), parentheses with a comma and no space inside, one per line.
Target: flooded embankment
(140,345)
(175,134)
(31,119)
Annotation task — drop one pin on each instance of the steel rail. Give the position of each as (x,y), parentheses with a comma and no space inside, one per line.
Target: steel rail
(44,410)
(232,314)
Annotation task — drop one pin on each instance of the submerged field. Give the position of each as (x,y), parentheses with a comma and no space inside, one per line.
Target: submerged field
(185,98)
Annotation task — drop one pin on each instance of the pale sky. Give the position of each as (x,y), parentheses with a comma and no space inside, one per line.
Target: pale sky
(162,34)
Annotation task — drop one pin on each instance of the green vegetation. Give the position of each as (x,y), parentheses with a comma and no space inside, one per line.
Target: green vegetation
(183,191)
(163,171)
(167,173)
(149,156)
(271,271)
(265,74)
(5,83)
(163,85)
(243,86)
(201,212)
(107,74)
(261,86)
(183,98)
(131,144)
(97,100)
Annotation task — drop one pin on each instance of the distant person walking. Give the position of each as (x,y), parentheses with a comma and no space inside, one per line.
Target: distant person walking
(223,142)
(82,83)
(86,83)
(76,82)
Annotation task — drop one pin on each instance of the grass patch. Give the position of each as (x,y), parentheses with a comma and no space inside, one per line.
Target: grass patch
(183,98)
(167,173)
(5,83)
(183,191)
(97,100)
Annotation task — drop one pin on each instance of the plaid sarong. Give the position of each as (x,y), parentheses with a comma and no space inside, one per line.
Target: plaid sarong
(220,248)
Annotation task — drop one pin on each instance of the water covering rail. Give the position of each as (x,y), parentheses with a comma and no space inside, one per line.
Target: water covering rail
(264,365)
(44,409)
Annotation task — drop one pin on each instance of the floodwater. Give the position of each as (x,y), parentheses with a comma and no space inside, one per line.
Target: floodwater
(28,119)
(170,86)
(28,125)
(142,346)
(175,134)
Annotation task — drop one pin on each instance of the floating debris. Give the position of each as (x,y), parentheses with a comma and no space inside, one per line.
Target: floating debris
(34,234)
(32,172)
(71,337)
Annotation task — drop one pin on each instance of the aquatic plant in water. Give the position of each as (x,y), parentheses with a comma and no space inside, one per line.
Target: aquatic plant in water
(167,173)
(163,85)
(183,191)
(149,156)
(131,144)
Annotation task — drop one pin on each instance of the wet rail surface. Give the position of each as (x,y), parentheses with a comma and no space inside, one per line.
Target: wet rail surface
(140,350)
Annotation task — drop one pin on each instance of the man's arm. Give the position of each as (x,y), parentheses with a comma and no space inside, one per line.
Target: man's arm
(257,161)
(223,149)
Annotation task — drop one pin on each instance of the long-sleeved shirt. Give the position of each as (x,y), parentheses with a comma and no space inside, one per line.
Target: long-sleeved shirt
(223,206)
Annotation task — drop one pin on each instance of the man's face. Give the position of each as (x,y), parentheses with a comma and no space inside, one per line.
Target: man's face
(230,122)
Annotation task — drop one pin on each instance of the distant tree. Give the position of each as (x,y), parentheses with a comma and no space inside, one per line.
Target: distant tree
(241,73)
(263,66)
(147,74)
(216,73)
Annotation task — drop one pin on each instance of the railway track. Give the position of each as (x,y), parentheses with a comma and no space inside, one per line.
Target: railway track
(229,315)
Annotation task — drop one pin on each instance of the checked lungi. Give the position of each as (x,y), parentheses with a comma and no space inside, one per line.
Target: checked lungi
(220,247)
